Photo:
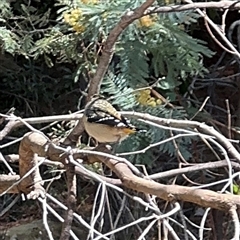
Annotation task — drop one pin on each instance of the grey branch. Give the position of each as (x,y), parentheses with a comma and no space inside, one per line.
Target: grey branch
(231,5)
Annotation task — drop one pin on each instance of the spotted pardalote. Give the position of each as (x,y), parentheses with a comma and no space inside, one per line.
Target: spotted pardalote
(104,123)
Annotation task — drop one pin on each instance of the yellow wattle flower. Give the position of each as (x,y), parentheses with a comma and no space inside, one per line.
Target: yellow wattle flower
(152,104)
(146,21)
(159,101)
(66,17)
(144,98)
(78,28)
(77,12)
(73,19)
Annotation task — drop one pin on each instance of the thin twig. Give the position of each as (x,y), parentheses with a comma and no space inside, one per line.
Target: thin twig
(229,118)
(10,205)
(95,217)
(202,228)
(56,214)
(213,36)
(235,219)
(45,222)
(201,108)
(216,28)
(224,20)
(231,5)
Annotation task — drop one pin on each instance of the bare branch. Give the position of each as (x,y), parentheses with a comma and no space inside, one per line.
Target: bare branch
(186,124)
(204,198)
(217,29)
(8,180)
(109,45)
(234,215)
(71,200)
(231,5)
(197,167)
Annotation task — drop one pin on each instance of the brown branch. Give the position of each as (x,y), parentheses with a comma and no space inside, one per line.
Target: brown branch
(170,173)
(109,45)
(204,198)
(231,5)
(32,144)
(186,124)
(104,61)
(8,180)
(38,143)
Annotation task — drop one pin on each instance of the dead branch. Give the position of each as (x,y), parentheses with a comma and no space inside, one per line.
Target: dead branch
(7,129)
(9,125)
(231,5)
(204,198)
(71,200)
(217,29)
(167,174)
(39,144)
(197,167)
(187,124)
(14,158)
(8,180)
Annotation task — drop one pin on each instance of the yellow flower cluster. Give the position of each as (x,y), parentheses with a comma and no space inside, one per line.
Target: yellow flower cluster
(73,18)
(146,21)
(144,98)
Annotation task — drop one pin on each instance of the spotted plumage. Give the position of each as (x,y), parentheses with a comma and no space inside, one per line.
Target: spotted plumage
(104,123)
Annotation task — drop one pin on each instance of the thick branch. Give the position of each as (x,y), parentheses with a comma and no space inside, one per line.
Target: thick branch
(8,180)
(38,143)
(204,198)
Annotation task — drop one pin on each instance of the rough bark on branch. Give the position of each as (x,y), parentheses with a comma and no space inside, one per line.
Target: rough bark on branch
(8,180)
(204,198)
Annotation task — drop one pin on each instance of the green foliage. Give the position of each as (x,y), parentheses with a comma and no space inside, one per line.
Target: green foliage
(154,48)
(121,94)
(140,141)
(236,189)
(161,49)
(4,10)
(68,37)
(9,40)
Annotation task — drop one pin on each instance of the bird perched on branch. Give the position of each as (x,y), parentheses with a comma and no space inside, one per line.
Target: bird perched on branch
(104,123)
